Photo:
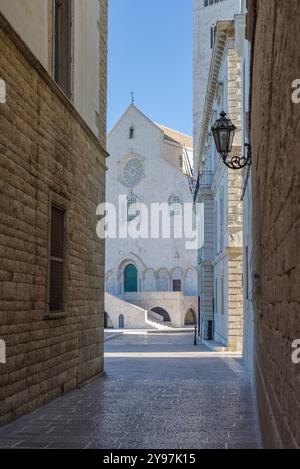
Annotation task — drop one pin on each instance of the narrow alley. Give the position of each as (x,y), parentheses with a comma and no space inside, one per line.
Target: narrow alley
(159,391)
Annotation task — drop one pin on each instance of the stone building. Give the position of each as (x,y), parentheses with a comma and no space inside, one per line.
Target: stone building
(246,197)
(272,29)
(206,14)
(52,177)
(150,282)
(269,121)
(221,256)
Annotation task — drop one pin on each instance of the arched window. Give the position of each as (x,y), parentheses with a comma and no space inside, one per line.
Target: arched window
(130,279)
(121,321)
(133,208)
(131,133)
(175,203)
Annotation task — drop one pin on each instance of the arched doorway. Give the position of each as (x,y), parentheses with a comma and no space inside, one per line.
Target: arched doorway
(190,318)
(163,313)
(130,279)
(121,321)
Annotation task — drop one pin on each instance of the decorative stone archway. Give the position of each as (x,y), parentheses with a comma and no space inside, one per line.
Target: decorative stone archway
(162,312)
(190,318)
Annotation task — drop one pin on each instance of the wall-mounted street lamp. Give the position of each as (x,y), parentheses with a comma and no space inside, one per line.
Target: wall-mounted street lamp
(223,132)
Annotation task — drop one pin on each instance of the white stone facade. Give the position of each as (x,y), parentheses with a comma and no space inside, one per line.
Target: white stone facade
(206,15)
(146,166)
(221,257)
(222,81)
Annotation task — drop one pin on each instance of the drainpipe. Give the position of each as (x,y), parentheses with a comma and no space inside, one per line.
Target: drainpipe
(199,318)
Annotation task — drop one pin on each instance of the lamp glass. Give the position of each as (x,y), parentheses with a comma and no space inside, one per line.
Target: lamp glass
(223,133)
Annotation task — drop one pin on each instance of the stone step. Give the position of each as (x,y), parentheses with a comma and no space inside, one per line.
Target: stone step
(159,326)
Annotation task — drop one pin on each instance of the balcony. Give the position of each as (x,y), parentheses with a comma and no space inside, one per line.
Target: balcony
(205,180)
(204,183)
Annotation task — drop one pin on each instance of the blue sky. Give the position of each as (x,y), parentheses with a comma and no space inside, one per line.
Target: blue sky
(150,53)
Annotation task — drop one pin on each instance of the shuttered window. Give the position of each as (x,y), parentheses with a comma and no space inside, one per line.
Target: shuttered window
(63,45)
(57,266)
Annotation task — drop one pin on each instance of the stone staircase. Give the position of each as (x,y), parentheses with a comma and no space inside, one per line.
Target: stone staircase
(141,318)
(155,321)
(115,307)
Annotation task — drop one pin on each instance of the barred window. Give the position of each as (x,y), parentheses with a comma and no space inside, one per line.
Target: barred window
(57,260)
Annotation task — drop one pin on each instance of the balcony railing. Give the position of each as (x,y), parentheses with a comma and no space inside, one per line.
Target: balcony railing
(206,179)
(204,182)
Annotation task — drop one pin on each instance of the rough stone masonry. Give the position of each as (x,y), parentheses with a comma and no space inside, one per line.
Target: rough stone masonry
(273,27)
(46,151)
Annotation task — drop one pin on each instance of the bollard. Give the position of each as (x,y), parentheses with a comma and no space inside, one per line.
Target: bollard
(195,338)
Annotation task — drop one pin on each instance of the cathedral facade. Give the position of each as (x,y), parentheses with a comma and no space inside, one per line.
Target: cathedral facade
(151,281)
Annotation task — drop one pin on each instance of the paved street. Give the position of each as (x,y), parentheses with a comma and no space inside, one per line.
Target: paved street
(159,392)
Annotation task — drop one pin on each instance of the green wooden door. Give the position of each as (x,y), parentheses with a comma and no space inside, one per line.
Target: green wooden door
(130,279)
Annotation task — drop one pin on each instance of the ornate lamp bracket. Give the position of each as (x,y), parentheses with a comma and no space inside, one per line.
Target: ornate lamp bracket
(238,162)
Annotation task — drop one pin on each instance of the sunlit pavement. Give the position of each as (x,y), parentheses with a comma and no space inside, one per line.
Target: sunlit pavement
(159,391)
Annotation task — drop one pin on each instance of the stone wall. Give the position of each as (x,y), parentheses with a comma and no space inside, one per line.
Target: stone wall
(103,69)
(46,150)
(235,299)
(33,21)
(274,29)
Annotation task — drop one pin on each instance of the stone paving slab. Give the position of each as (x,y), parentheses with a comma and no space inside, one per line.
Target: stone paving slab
(194,401)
